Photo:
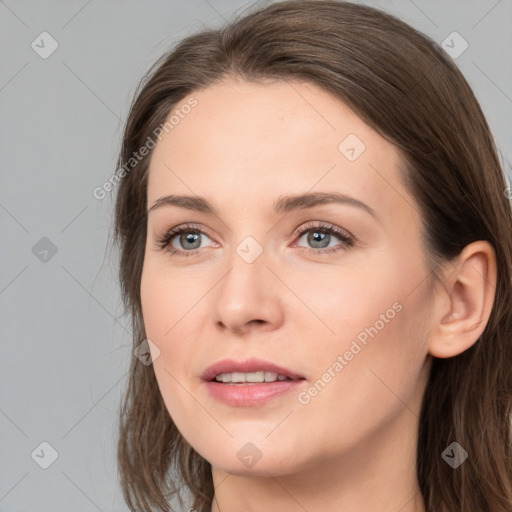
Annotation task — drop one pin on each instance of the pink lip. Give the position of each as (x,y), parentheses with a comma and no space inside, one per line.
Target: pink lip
(250,365)
(249,394)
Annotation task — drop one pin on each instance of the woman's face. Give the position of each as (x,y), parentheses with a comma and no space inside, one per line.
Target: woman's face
(262,278)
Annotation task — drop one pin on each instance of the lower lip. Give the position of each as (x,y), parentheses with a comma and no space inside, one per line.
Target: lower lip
(248,395)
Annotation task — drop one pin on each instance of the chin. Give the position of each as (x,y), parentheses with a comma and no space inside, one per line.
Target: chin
(260,469)
(246,459)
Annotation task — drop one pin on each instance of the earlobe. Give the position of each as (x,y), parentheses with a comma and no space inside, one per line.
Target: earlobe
(463,309)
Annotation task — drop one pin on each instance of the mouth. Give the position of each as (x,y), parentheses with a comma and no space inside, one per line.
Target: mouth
(238,378)
(250,383)
(248,371)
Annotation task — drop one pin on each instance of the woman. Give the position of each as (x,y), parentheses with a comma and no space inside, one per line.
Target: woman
(338,334)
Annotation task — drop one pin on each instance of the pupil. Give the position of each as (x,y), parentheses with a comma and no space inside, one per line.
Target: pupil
(315,237)
(190,238)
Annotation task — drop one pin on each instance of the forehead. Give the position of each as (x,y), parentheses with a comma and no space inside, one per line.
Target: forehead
(243,141)
(233,115)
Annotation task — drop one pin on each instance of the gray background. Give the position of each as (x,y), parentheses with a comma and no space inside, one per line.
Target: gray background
(65,343)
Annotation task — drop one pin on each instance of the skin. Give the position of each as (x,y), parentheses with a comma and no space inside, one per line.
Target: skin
(353,445)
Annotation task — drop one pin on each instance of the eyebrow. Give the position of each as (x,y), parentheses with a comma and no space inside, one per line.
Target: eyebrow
(284,204)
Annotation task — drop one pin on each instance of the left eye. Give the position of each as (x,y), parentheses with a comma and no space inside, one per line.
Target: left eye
(320,236)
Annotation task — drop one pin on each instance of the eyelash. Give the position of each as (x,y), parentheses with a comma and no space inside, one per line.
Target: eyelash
(346,239)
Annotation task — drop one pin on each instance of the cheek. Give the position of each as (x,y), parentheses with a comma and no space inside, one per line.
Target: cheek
(174,309)
(169,320)
(375,314)
(361,386)
(167,302)
(383,352)
(340,302)
(167,312)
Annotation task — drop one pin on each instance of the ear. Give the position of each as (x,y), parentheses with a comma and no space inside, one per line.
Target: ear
(461,311)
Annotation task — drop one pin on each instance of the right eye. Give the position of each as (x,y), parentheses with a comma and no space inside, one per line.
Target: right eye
(188,236)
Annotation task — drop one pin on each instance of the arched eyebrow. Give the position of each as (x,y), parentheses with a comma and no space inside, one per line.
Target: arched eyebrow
(284,204)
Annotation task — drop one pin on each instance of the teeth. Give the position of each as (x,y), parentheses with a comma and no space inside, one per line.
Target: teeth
(260,376)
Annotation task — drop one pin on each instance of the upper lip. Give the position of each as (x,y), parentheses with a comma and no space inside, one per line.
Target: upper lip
(249,365)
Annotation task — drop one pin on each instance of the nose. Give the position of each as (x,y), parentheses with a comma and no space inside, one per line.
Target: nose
(248,298)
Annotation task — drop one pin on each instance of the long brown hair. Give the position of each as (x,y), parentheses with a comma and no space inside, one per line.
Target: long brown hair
(403,85)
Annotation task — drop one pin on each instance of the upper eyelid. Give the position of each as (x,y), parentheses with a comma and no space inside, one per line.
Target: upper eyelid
(303,227)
